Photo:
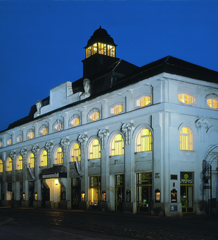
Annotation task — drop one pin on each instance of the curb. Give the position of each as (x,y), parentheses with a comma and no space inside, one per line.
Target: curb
(8,220)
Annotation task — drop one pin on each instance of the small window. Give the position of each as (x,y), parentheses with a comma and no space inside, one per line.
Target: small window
(9,141)
(117,109)
(144,141)
(59,156)
(1,166)
(102,48)
(117,145)
(59,126)
(212,102)
(9,165)
(94,48)
(44,131)
(0,143)
(19,139)
(30,135)
(186,139)
(94,116)
(110,51)
(76,152)
(143,101)
(75,122)
(44,158)
(94,149)
(186,98)
(19,163)
(31,160)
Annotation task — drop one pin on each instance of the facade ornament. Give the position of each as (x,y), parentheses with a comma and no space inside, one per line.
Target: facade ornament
(78,168)
(44,126)
(202,125)
(35,149)
(48,145)
(102,133)
(23,152)
(38,108)
(30,172)
(12,154)
(81,138)
(64,142)
(86,86)
(126,129)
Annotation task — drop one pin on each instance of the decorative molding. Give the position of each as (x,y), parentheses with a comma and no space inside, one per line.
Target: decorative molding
(102,133)
(58,121)
(48,145)
(12,154)
(202,125)
(43,126)
(126,129)
(23,152)
(64,142)
(35,149)
(81,138)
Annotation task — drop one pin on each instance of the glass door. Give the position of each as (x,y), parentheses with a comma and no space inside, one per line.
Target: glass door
(75,192)
(119,192)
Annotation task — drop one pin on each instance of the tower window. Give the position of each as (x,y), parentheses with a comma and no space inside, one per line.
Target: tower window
(102,49)
(110,51)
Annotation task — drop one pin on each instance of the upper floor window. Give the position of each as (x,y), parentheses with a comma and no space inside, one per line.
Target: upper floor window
(94,116)
(30,135)
(1,166)
(117,109)
(76,152)
(19,162)
(143,101)
(186,139)
(94,149)
(59,156)
(9,141)
(9,165)
(111,50)
(0,143)
(75,122)
(44,131)
(117,145)
(31,160)
(102,48)
(144,141)
(19,138)
(59,126)
(212,102)
(186,98)
(44,158)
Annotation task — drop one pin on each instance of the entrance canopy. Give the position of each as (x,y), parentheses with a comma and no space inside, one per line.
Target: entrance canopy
(54,172)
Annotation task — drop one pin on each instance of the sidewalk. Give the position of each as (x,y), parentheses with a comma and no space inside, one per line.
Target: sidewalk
(5,220)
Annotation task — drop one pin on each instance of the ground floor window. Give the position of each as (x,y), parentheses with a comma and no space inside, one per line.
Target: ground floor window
(187,191)
(94,191)
(119,192)
(144,191)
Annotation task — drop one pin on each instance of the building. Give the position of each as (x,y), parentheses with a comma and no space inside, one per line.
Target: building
(121,138)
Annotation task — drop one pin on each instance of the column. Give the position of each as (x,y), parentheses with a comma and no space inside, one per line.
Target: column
(13,157)
(48,147)
(23,153)
(37,187)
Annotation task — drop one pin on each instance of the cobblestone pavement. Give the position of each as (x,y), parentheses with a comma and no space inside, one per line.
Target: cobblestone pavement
(113,224)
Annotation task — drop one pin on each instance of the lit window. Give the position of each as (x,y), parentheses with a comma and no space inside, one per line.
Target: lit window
(44,158)
(110,51)
(143,101)
(94,149)
(94,48)
(9,165)
(117,109)
(59,126)
(88,52)
(102,48)
(94,116)
(19,163)
(186,139)
(9,141)
(186,98)
(76,152)
(1,166)
(19,139)
(117,145)
(75,122)
(144,141)
(44,131)
(0,144)
(59,156)
(30,135)
(31,160)
(212,102)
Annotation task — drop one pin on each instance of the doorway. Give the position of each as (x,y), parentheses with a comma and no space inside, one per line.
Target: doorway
(31,193)
(45,194)
(75,192)
(119,192)
(94,192)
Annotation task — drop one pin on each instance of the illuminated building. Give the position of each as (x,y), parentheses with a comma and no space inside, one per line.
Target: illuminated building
(120,138)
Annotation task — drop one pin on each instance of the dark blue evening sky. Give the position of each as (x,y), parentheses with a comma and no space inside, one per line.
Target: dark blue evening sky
(42,42)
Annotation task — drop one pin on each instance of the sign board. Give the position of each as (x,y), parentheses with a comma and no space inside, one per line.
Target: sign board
(173,208)
(128,196)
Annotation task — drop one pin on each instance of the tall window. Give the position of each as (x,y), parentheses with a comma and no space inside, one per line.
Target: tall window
(1,166)
(44,158)
(110,51)
(102,48)
(143,101)
(31,160)
(9,165)
(59,156)
(19,162)
(117,145)
(212,102)
(144,141)
(186,139)
(94,149)
(76,152)
(186,98)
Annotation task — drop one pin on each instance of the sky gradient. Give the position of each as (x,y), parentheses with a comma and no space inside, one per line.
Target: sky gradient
(42,42)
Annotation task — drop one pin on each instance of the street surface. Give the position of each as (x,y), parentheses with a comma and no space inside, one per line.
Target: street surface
(46,224)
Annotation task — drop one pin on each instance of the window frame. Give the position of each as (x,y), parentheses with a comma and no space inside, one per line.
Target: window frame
(150,141)
(192,96)
(140,97)
(19,167)
(57,158)
(29,160)
(185,137)
(120,148)
(41,157)
(72,153)
(99,153)
(92,112)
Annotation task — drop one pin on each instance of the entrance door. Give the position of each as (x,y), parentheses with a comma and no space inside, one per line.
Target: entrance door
(119,192)
(45,194)
(75,193)
(186,196)
(31,193)
(21,191)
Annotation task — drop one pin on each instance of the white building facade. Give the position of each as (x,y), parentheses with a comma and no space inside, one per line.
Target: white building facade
(137,144)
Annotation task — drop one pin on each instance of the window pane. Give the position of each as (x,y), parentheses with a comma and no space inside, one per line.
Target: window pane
(94,149)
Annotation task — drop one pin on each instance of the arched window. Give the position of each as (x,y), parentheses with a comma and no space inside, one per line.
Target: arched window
(19,162)
(186,139)
(212,102)
(9,165)
(117,145)
(30,135)
(59,156)
(94,149)
(144,140)
(31,160)
(44,158)
(75,122)
(1,166)
(94,116)
(76,152)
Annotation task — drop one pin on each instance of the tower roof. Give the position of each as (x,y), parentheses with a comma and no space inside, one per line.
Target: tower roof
(100,35)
